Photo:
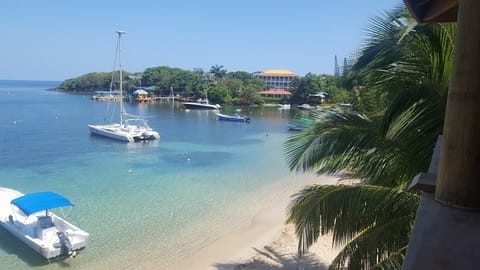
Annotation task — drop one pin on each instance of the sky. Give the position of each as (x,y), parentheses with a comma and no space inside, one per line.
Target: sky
(60,39)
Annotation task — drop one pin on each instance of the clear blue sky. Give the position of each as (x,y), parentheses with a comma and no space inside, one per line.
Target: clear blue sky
(61,39)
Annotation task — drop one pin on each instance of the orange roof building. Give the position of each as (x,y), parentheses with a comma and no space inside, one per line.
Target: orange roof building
(277,78)
(276,93)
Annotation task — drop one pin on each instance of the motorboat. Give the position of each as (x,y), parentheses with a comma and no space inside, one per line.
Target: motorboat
(127,130)
(304,107)
(28,218)
(233,118)
(295,127)
(201,104)
(282,106)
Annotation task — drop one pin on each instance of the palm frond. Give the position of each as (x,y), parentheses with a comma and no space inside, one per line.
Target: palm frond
(375,244)
(346,211)
(393,262)
(334,136)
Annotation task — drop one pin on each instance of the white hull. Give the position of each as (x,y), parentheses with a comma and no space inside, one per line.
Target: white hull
(44,241)
(233,118)
(113,131)
(126,133)
(284,106)
(201,106)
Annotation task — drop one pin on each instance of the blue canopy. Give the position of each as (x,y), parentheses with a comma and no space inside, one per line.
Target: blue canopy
(39,201)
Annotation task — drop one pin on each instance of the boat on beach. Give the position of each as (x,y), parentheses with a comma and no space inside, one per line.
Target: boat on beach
(28,218)
(127,130)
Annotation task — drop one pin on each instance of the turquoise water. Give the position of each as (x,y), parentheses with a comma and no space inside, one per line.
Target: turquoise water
(147,201)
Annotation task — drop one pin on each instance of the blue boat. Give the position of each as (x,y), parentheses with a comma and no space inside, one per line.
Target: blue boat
(27,217)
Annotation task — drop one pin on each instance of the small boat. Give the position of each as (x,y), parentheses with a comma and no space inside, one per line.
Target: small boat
(27,217)
(300,124)
(282,106)
(295,127)
(127,130)
(234,118)
(201,106)
(305,107)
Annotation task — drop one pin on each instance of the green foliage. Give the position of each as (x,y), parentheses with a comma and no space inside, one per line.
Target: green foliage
(186,82)
(404,70)
(312,84)
(219,94)
(218,71)
(339,95)
(371,222)
(88,83)
(240,75)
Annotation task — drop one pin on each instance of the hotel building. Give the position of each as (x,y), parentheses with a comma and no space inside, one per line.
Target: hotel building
(276,78)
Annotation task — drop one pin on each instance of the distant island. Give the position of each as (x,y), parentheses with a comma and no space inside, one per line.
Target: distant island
(238,88)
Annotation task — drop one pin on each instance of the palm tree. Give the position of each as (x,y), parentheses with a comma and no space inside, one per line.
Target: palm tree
(218,71)
(407,66)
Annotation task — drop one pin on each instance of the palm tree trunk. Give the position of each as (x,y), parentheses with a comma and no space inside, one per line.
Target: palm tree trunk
(458,182)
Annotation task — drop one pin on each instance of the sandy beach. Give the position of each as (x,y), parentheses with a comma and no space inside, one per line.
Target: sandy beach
(265,241)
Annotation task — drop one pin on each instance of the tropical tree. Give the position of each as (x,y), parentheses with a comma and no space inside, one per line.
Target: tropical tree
(407,66)
(218,71)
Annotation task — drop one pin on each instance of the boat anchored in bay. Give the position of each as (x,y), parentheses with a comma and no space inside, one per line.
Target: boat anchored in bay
(128,130)
(236,117)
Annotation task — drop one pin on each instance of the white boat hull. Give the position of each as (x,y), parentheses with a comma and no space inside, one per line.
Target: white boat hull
(234,118)
(126,133)
(113,131)
(44,241)
(284,106)
(201,106)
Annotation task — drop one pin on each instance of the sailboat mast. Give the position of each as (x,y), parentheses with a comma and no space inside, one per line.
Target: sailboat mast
(120,33)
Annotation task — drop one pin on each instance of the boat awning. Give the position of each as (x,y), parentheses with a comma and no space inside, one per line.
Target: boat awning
(39,201)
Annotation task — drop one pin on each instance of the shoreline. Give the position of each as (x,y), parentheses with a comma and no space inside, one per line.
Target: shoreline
(264,240)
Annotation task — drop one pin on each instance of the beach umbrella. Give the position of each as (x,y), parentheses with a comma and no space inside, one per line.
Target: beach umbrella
(140,92)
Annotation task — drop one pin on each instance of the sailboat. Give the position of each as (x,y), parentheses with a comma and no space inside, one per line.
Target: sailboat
(128,129)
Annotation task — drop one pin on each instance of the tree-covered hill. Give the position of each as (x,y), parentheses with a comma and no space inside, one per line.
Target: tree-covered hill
(96,81)
(239,87)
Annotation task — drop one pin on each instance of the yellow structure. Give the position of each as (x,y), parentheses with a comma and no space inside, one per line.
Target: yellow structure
(277,78)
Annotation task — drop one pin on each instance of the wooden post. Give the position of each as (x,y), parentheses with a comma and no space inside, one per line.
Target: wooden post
(458,182)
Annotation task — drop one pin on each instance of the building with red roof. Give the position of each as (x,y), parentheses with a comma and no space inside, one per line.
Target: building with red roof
(276,93)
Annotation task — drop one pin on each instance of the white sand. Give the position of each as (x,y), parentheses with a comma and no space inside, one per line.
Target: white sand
(265,242)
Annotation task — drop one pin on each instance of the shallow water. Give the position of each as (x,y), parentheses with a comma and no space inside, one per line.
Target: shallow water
(146,201)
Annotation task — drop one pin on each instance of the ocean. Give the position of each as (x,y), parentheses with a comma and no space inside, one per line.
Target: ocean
(145,201)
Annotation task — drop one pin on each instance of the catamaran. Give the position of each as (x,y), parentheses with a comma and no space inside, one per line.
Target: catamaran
(27,217)
(128,129)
